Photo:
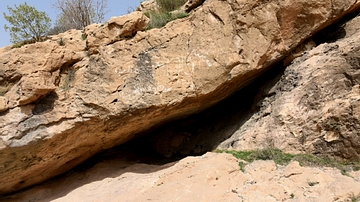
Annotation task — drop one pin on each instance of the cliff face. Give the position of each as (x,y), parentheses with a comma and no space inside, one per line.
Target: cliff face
(310,106)
(63,103)
(314,106)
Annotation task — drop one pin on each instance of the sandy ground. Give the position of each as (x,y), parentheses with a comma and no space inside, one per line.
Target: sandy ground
(211,177)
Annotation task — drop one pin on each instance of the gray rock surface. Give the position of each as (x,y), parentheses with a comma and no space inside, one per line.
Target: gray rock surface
(315,105)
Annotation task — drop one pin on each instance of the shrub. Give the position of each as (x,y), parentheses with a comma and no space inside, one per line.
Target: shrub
(164,15)
(26,23)
(158,19)
(170,5)
(77,14)
(61,42)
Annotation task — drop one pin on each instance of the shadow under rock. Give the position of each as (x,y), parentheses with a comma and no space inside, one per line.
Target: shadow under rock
(335,31)
(101,168)
(203,132)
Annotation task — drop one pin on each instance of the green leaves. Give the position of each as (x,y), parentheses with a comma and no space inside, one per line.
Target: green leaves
(26,23)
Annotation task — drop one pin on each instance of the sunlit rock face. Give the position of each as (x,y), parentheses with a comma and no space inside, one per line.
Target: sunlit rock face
(63,102)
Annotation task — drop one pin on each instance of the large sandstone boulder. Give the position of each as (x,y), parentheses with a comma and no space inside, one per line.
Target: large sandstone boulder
(68,102)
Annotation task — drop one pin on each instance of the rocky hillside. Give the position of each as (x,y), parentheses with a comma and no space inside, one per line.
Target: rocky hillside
(82,92)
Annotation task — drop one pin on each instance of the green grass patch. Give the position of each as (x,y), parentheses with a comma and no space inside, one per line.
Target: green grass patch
(264,154)
(159,19)
(355,198)
(283,158)
(242,166)
(312,160)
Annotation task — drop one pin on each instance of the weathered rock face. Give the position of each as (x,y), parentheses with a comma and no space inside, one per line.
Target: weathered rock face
(66,103)
(315,105)
(230,122)
(116,29)
(211,177)
(190,5)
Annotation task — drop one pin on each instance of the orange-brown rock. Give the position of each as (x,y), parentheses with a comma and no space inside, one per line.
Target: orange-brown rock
(116,29)
(69,101)
(190,5)
(5,49)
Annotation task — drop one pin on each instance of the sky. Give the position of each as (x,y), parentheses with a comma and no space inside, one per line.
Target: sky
(115,7)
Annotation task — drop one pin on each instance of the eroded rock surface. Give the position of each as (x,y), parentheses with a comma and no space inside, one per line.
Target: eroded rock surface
(314,107)
(68,101)
(191,4)
(237,116)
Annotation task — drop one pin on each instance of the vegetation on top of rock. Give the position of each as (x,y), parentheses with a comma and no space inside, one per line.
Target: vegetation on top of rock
(26,24)
(25,42)
(77,14)
(283,158)
(159,19)
(164,14)
(355,198)
(170,5)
